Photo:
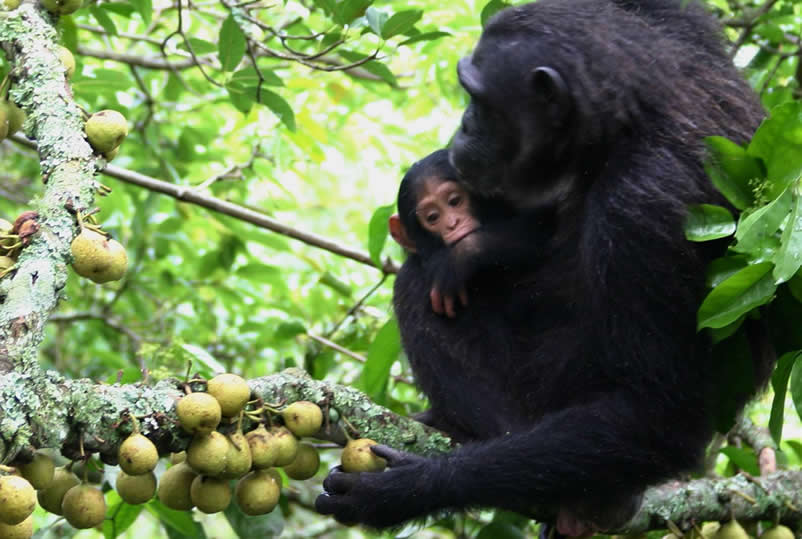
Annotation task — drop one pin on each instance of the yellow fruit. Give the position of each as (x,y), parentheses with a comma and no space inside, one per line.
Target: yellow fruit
(303,418)
(106,130)
(109,156)
(778,532)
(305,465)
(61,7)
(263,449)
(136,489)
(67,60)
(16,117)
(238,457)
(231,391)
(207,453)
(210,495)
(357,457)
(257,493)
(199,413)
(23,530)
(6,262)
(17,499)
(84,507)
(9,5)
(174,487)
(731,530)
(287,445)
(176,458)
(40,471)
(97,257)
(3,122)
(137,455)
(50,498)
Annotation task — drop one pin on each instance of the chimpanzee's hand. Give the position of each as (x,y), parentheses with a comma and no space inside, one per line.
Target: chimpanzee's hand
(451,274)
(377,499)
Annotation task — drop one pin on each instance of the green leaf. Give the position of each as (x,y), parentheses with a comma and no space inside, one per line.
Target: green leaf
(490,9)
(706,222)
(376,19)
(119,515)
(288,330)
(335,284)
(779,384)
(103,80)
(180,521)
(400,22)
(377,232)
(382,353)
(145,9)
(249,78)
(778,141)
(500,530)
(425,36)
(374,67)
(749,288)
(199,46)
(232,44)
(796,386)
(280,108)
(104,20)
(731,170)
(788,258)
(755,230)
(262,526)
(345,12)
(744,459)
(202,361)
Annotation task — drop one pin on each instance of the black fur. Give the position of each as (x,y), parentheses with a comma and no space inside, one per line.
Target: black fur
(586,382)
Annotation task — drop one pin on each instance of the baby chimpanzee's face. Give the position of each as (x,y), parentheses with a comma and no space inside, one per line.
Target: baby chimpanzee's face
(444,210)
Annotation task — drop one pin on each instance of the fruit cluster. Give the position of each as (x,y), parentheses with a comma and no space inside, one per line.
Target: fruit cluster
(733,530)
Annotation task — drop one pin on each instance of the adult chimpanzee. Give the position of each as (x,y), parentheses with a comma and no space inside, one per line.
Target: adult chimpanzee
(436,213)
(593,111)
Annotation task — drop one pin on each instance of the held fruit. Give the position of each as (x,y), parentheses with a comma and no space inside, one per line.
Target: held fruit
(17,499)
(303,418)
(199,413)
(97,257)
(50,498)
(137,455)
(106,130)
(287,445)
(305,465)
(136,489)
(39,472)
(174,487)
(84,507)
(210,495)
(357,457)
(257,493)
(207,453)
(231,391)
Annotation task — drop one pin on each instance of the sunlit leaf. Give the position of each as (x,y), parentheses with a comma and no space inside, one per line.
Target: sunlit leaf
(348,10)
(382,354)
(232,44)
(779,384)
(732,169)
(400,22)
(377,232)
(707,222)
(749,288)
(778,141)
(104,20)
(425,36)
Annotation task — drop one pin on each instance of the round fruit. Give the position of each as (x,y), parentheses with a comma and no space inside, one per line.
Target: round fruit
(305,465)
(39,472)
(136,489)
(97,257)
(238,457)
(207,453)
(778,532)
(303,418)
(287,445)
(264,450)
(257,493)
(23,530)
(176,458)
(61,7)
(16,117)
(199,413)
(357,457)
(50,498)
(3,122)
(109,156)
(731,530)
(67,60)
(84,506)
(137,455)
(231,391)
(17,499)
(174,487)
(9,5)
(106,130)
(210,495)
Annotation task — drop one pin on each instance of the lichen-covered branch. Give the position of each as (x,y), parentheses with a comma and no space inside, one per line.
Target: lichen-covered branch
(46,410)
(29,293)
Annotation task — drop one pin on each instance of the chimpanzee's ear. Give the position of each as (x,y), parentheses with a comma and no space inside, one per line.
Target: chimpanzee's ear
(550,87)
(399,234)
